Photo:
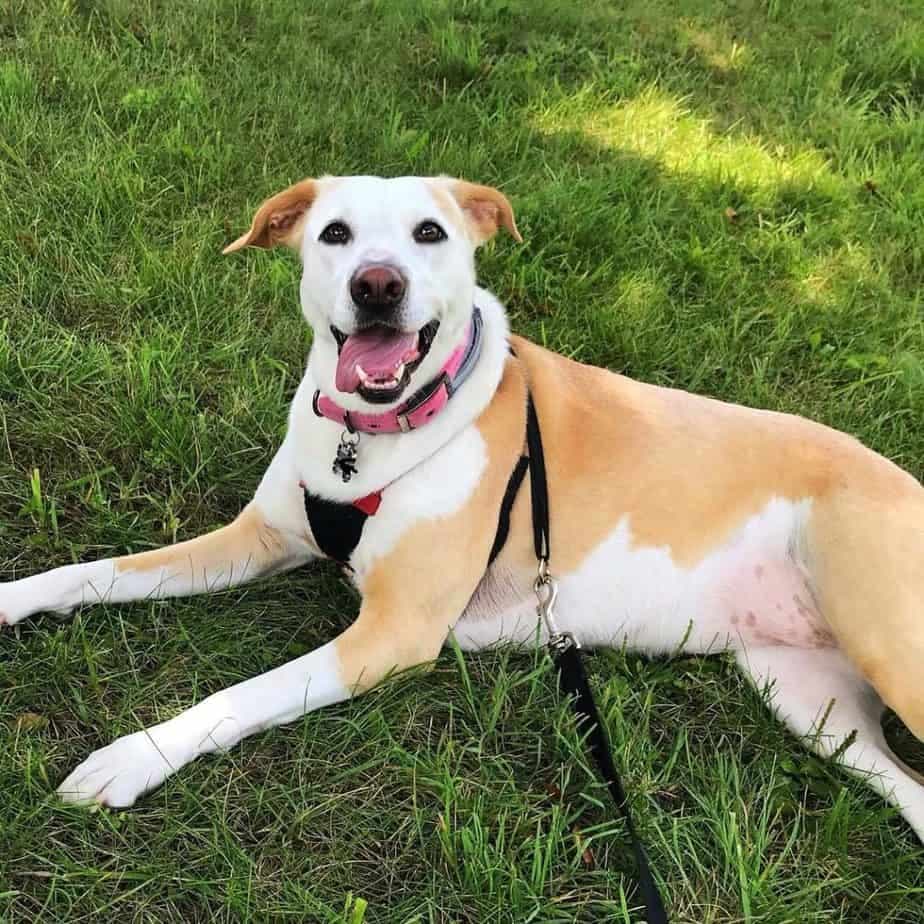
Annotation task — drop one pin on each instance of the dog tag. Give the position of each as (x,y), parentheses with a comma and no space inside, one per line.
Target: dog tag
(345,460)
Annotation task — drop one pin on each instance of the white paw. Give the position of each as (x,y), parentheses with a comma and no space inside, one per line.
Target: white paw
(60,590)
(120,772)
(14,604)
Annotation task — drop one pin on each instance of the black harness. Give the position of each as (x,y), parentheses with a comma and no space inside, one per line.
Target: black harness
(338,528)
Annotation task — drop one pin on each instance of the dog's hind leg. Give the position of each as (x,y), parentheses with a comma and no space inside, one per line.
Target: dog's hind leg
(822,698)
(269,536)
(867,562)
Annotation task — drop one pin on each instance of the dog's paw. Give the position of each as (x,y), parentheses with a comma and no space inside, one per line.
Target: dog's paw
(55,591)
(119,773)
(13,603)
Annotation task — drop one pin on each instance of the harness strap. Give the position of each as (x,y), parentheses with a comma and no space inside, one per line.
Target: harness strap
(337,526)
(503,517)
(572,676)
(538,484)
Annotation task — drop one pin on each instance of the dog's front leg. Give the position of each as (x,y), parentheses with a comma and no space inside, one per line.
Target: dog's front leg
(412,596)
(244,550)
(375,645)
(269,536)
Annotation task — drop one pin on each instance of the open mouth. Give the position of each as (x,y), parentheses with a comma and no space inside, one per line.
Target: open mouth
(376,362)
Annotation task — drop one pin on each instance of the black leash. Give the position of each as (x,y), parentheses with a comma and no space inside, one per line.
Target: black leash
(572,678)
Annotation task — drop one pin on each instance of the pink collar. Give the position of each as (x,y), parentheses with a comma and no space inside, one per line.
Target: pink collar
(422,406)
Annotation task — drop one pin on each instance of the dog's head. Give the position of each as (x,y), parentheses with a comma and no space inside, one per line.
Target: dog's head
(388,275)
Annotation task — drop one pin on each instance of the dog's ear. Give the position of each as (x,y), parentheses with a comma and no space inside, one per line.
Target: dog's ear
(280,220)
(485,209)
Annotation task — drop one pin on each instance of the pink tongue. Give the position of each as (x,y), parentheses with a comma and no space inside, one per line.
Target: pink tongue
(378,351)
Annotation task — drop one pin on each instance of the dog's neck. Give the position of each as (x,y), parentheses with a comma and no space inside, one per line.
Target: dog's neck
(383,459)
(425,404)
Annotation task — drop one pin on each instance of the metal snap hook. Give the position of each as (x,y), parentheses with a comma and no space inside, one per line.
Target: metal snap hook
(546,589)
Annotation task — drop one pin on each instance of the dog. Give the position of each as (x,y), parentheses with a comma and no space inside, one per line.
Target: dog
(679,523)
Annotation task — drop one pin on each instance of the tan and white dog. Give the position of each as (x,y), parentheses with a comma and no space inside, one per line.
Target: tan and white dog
(678,522)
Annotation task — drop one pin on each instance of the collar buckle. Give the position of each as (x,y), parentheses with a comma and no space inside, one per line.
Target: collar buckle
(427,393)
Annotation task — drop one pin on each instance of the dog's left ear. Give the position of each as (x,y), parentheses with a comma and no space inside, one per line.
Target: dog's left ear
(485,208)
(280,220)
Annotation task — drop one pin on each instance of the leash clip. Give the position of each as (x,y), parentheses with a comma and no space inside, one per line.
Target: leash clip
(546,589)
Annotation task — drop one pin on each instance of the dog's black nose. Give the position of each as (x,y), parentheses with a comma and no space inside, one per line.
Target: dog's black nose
(377,287)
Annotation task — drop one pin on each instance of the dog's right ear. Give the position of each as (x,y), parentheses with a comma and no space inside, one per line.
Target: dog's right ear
(280,220)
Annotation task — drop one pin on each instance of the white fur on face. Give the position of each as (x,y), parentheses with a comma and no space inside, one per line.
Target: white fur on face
(382,215)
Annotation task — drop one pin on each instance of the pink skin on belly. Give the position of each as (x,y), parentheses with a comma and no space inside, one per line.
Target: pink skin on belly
(769,601)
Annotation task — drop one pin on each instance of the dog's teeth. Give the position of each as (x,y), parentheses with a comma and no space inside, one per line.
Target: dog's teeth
(377,383)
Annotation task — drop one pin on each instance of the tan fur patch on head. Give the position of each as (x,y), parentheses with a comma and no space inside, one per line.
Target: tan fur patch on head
(280,219)
(485,209)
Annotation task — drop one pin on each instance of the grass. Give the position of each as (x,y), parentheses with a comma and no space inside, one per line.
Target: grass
(726,197)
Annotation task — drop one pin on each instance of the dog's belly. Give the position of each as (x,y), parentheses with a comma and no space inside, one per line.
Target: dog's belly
(753,590)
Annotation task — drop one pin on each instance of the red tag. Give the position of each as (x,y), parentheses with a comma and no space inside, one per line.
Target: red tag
(369,504)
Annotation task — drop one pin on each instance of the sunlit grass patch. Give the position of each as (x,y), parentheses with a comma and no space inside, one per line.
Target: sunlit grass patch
(723,53)
(830,278)
(657,125)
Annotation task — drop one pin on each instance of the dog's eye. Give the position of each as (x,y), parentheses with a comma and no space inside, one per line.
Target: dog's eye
(429,232)
(336,233)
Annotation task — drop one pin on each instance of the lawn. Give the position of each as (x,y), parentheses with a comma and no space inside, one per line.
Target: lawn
(724,197)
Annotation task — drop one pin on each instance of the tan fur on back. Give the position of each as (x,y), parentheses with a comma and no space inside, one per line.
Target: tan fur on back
(686,470)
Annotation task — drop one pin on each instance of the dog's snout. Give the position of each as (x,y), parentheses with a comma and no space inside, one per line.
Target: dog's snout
(377,287)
